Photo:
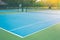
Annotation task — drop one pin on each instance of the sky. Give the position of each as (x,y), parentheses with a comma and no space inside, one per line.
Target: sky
(38,0)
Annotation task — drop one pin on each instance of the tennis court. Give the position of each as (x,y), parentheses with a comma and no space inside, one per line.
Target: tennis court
(27,23)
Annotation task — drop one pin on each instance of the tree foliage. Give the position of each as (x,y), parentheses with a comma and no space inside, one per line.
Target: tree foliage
(17,2)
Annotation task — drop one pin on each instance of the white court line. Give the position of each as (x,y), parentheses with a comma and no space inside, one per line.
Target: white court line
(26,26)
(11,32)
(29,34)
(22,36)
(31,25)
(40,30)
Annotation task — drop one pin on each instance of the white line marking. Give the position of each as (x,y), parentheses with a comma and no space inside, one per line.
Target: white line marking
(40,30)
(26,35)
(31,25)
(11,32)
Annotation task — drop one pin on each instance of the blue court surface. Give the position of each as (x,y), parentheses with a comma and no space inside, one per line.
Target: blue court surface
(26,23)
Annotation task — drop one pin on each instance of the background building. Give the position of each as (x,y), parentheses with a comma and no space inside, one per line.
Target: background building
(2,4)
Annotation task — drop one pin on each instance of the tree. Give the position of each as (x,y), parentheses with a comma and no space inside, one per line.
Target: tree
(50,3)
(39,4)
(11,2)
(23,3)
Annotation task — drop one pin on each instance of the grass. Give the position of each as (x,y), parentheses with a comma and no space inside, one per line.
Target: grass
(52,33)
